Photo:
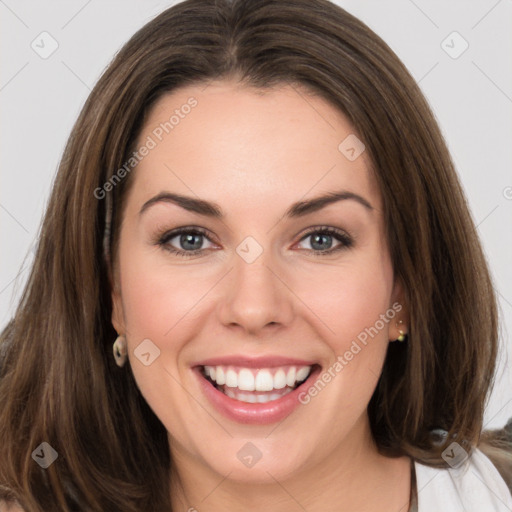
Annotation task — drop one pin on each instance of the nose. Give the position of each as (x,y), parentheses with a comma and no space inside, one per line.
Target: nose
(256,297)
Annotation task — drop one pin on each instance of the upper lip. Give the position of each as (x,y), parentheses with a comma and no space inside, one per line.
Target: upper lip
(245,361)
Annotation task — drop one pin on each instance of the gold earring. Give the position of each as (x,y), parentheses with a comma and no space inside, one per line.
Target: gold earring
(119,349)
(402,335)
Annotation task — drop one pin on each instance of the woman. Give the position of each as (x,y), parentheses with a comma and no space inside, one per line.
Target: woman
(329,337)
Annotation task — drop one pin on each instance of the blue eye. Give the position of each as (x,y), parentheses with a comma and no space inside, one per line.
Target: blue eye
(321,239)
(189,239)
(192,239)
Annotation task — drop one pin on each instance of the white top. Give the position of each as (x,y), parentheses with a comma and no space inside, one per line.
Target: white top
(474,486)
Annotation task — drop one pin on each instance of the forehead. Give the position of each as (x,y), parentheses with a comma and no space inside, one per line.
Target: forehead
(249,147)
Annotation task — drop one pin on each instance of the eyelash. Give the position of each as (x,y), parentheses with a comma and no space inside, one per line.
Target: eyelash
(162,240)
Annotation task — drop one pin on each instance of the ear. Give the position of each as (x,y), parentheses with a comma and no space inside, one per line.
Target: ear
(117,309)
(401,307)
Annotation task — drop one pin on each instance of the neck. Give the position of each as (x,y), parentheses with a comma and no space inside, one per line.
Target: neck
(355,476)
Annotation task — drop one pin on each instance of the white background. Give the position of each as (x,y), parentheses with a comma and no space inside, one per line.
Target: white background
(471,97)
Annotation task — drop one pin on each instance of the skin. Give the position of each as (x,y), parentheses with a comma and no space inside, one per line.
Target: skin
(255,153)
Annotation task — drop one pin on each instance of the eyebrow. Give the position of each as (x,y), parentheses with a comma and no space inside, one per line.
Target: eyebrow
(298,209)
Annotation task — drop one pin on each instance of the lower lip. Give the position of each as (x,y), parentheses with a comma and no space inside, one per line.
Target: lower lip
(256,414)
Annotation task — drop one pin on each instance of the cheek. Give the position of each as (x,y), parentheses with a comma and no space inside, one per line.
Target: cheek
(155,306)
(350,297)
(353,304)
(156,297)
(149,302)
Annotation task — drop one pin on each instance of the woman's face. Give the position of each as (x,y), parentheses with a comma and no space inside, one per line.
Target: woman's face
(262,296)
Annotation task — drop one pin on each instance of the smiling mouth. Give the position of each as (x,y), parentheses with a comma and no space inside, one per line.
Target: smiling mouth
(257,385)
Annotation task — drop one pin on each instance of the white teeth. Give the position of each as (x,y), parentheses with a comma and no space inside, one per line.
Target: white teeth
(279,379)
(221,376)
(243,397)
(231,379)
(265,379)
(245,380)
(290,378)
(253,398)
(302,373)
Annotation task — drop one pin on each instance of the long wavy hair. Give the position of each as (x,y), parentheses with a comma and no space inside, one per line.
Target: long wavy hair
(58,380)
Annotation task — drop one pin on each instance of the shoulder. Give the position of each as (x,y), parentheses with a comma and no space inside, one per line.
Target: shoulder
(471,483)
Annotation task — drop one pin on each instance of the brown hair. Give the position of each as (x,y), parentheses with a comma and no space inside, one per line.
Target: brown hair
(59,383)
